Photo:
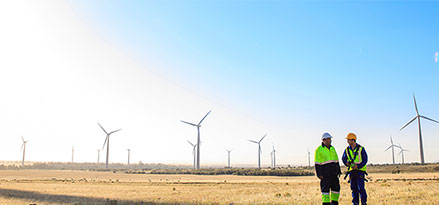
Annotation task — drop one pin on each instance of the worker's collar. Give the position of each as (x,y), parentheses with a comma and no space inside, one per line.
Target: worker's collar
(323,145)
(353,148)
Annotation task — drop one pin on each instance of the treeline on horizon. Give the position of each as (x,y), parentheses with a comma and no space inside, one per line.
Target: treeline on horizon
(234,171)
(158,168)
(89,166)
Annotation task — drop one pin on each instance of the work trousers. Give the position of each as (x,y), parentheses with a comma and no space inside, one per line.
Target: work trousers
(330,185)
(357,187)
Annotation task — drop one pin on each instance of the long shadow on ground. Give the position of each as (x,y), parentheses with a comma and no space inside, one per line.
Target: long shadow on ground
(36,197)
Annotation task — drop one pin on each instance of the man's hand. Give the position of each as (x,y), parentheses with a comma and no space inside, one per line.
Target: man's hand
(355,167)
(320,177)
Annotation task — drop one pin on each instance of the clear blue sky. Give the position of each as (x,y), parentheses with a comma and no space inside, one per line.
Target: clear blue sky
(290,56)
(292,69)
(353,63)
(286,55)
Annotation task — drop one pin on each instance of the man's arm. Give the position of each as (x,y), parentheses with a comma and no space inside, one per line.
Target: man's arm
(317,166)
(344,158)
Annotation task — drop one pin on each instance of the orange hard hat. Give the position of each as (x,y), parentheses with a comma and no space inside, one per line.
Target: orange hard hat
(351,136)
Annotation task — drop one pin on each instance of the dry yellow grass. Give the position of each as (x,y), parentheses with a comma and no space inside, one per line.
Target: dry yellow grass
(84,187)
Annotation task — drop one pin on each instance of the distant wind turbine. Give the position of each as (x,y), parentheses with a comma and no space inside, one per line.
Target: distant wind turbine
(259,149)
(228,157)
(418,117)
(274,157)
(193,153)
(23,147)
(107,141)
(198,139)
(402,152)
(73,151)
(393,151)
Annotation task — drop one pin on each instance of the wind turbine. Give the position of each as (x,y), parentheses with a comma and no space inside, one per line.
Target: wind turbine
(128,156)
(228,157)
(198,139)
(259,149)
(392,146)
(402,152)
(193,152)
(73,151)
(418,117)
(23,146)
(107,141)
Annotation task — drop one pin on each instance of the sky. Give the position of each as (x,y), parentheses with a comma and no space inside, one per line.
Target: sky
(289,69)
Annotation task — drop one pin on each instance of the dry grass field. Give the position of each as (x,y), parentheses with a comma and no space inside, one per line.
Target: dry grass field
(86,187)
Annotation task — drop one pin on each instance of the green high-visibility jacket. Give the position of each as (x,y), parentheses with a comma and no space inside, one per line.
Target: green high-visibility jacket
(326,161)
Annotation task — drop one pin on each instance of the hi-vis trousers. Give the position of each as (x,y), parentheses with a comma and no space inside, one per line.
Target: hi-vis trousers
(330,187)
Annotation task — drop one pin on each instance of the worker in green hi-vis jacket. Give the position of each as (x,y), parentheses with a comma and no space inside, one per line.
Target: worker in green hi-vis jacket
(328,170)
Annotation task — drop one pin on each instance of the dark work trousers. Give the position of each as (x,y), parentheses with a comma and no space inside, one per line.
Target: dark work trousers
(357,187)
(330,184)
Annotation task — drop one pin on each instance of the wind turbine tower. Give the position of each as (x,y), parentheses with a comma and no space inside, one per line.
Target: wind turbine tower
(228,158)
(107,141)
(198,139)
(309,159)
(274,157)
(271,155)
(259,149)
(418,117)
(193,153)
(392,146)
(99,153)
(128,156)
(23,146)
(73,151)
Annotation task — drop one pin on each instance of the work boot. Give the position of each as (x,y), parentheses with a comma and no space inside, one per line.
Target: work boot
(334,202)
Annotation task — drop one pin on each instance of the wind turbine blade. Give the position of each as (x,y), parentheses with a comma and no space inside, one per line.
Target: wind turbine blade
(189,123)
(191,143)
(391,140)
(263,138)
(103,128)
(22,145)
(429,119)
(22,138)
(253,141)
(114,131)
(399,152)
(106,138)
(409,123)
(204,117)
(416,106)
(388,147)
